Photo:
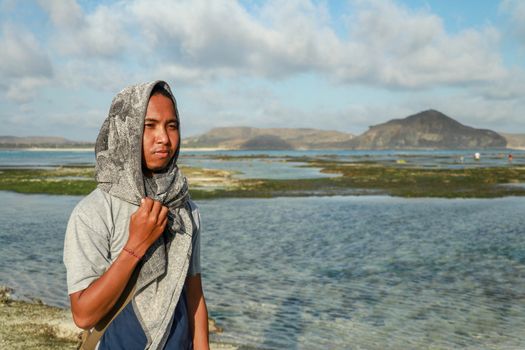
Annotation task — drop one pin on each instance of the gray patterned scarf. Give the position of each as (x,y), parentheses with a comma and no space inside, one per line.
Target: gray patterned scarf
(119,172)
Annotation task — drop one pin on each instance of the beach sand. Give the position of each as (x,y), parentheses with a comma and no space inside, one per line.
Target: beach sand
(33,325)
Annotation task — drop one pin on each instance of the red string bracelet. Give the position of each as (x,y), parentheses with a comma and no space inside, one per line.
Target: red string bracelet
(131,252)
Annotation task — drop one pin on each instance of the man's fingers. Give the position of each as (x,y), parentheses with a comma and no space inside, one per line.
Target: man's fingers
(146,204)
(155,210)
(164,222)
(163,214)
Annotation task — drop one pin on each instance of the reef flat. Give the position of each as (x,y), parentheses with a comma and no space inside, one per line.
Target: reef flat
(355,178)
(34,325)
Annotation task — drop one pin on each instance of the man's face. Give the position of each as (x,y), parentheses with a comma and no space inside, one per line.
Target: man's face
(161,134)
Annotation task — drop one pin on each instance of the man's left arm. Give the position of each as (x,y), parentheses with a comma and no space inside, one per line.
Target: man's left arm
(197,312)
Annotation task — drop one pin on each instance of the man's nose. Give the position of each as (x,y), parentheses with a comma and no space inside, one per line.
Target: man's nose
(162,135)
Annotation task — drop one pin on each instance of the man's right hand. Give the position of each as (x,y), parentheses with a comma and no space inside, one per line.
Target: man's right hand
(146,225)
(91,304)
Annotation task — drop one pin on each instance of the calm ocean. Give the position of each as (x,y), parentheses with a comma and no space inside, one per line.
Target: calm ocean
(369,272)
(274,167)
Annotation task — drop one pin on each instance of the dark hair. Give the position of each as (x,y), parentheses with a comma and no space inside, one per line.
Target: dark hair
(160,89)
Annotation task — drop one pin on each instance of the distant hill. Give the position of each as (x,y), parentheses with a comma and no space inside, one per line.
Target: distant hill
(40,141)
(516,141)
(270,138)
(429,129)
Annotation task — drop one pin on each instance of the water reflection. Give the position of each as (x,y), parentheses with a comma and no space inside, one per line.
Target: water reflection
(325,273)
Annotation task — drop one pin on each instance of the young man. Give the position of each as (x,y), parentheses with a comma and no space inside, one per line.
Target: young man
(139,219)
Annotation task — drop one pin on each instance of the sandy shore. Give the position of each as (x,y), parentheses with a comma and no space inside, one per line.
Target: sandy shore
(85,149)
(33,325)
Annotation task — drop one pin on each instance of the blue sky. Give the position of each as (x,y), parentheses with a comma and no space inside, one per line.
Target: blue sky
(336,65)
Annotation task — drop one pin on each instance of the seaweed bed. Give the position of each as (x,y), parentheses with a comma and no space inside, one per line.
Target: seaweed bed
(34,325)
(359,178)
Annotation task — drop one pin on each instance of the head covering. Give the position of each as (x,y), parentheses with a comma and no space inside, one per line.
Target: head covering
(118,153)
(119,144)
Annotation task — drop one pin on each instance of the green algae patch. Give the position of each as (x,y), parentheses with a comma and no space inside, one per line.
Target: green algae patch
(374,178)
(33,325)
(28,335)
(25,325)
(408,181)
(362,178)
(81,180)
(59,181)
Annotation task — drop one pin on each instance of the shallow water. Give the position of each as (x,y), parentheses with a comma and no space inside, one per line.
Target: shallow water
(31,242)
(266,168)
(262,168)
(447,159)
(37,158)
(368,272)
(274,167)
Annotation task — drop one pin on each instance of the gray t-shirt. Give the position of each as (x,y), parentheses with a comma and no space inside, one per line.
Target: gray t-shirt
(97,230)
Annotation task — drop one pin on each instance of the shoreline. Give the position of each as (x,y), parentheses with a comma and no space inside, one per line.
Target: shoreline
(354,178)
(86,149)
(205,149)
(50,149)
(213,149)
(35,325)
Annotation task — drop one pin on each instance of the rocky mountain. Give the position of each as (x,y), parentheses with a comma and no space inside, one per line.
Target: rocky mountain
(515,141)
(429,129)
(426,130)
(267,138)
(39,141)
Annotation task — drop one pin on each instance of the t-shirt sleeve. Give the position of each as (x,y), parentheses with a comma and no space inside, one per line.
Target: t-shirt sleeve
(195,261)
(86,250)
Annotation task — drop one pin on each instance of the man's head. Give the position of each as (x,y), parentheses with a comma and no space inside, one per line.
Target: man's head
(139,137)
(161,137)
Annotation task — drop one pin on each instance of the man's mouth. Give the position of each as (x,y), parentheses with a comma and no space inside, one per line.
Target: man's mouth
(161,153)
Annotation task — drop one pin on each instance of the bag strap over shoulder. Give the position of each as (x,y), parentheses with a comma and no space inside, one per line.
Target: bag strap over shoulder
(90,338)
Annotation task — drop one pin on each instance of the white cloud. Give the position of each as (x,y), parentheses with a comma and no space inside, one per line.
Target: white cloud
(96,74)
(21,55)
(65,14)
(503,116)
(188,75)
(206,47)
(22,90)
(221,38)
(515,9)
(197,41)
(24,65)
(512,87)
(218,36)
(89,119)
(388,45)
(412,49)
(100,34)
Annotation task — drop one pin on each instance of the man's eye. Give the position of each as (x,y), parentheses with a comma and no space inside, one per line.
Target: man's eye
(148,125)
(173,126)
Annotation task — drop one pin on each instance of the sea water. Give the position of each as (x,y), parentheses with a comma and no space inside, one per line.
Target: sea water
(272,164)
(252,168)
(370,272)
